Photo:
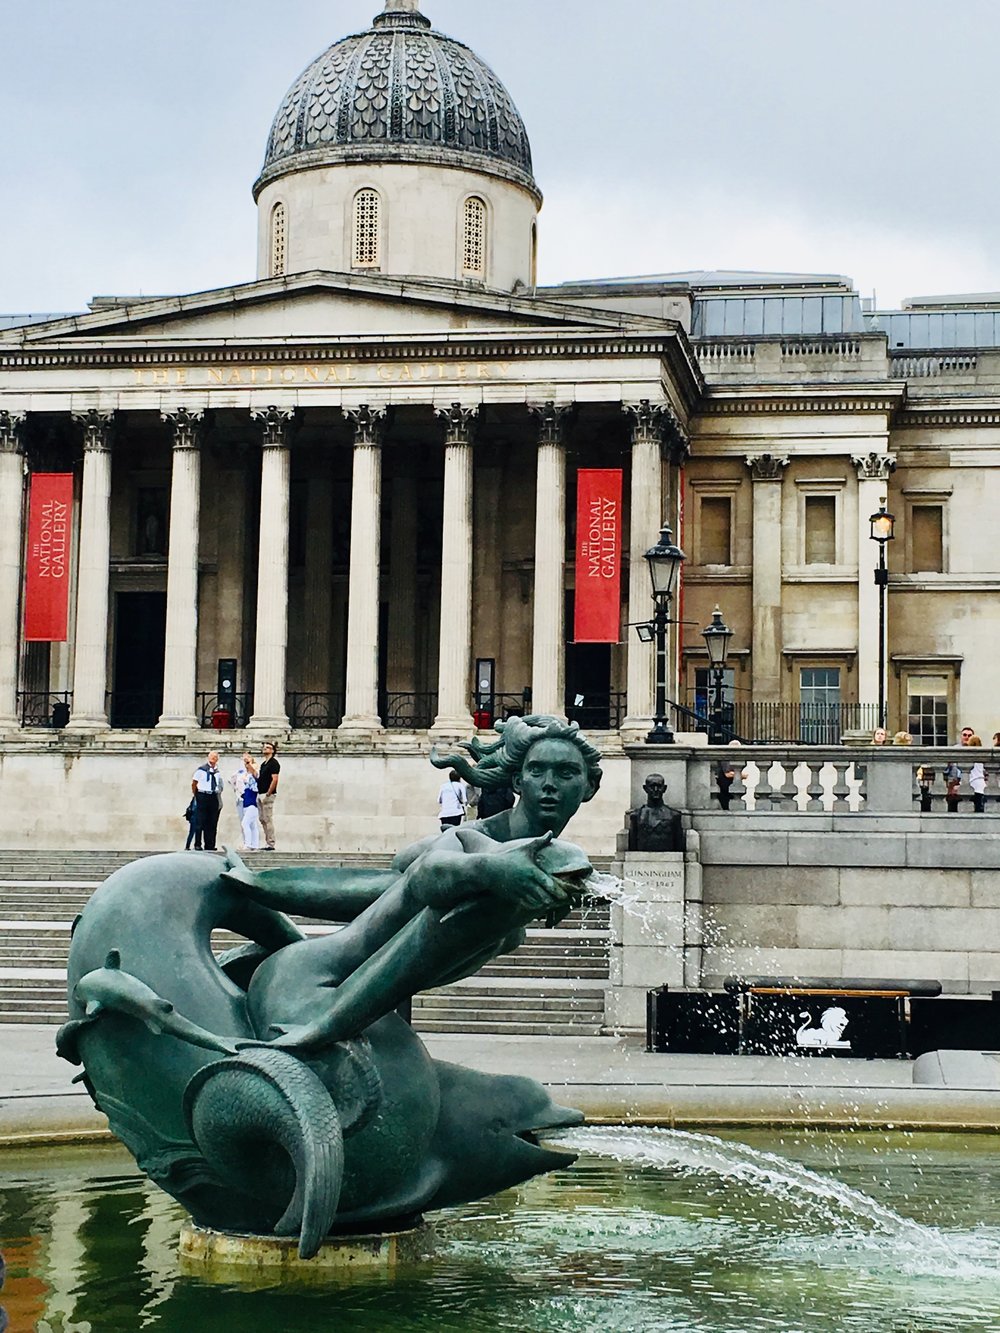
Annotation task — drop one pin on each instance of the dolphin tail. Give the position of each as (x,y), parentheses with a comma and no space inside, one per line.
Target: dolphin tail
(261,1094)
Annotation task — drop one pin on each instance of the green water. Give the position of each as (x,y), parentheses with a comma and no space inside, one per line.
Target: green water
(841,1233)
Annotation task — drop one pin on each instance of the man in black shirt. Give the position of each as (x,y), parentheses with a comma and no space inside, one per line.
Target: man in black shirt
(267,786)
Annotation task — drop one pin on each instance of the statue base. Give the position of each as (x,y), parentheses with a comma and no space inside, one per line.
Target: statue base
(227,1256)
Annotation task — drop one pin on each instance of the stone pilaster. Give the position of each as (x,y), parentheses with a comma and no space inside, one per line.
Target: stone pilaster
(453,716)
(649,421)
(180,662)
(548,657)
(766,471)
(12,473)
(271,645)
(874,470)
(90,660)
(361,716)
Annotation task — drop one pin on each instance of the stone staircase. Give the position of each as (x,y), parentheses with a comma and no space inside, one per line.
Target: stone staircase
(554,984)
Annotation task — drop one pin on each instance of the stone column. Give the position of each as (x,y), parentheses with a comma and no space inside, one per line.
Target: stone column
(90,660)
(646,516)
(180,661)
(453,715)
(271,645)
(361,716)
(874,470)
(766,472)
(12,472)
(548,658)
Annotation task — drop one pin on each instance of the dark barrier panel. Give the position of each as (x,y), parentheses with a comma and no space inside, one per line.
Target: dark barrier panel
(692,1023)
(954,1025)
(866,1027)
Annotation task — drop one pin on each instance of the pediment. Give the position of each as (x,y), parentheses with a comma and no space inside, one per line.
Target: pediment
(319,305)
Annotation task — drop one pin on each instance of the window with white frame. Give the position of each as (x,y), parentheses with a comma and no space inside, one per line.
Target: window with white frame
(367,225)
(927,709)
(819,705)
(279,231)
(474,239)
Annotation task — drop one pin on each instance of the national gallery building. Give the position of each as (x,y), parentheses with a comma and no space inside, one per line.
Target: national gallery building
(350,504)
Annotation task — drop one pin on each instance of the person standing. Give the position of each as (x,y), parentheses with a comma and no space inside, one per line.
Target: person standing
(267,790)
(244,780)
(206,787)
(977,781)
(451,801)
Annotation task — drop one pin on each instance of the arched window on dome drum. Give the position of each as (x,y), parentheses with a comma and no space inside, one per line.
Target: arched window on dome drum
(474,239)
(279,231)
(367,223)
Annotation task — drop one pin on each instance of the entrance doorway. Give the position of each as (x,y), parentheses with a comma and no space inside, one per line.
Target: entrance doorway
(589,700)
(140,640)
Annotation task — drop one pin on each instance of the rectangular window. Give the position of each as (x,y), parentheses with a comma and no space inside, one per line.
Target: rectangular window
(819,705)
(821,530)
(927,709)
(151,510)
(715,547)
(927,539)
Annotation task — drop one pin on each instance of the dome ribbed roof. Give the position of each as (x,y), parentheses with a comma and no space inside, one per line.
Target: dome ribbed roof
(399,92)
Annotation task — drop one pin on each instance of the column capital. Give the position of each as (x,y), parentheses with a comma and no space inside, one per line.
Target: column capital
(369,423)
(459,423)
(552,420)
(187,427)
(658,423)
(874,466)
(12,432)
(766,467)
(97,430)
(276,425)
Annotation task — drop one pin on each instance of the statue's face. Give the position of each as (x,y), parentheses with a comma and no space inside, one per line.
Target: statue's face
(553,784)
(654,786)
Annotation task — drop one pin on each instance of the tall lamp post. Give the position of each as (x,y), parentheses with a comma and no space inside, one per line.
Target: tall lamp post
(882,525)
(664,560)
(717,636)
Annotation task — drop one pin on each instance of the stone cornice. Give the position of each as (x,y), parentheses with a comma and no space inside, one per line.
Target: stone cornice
(795,400)
(942,413)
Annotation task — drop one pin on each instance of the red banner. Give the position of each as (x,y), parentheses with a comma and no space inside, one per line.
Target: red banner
(598,555)
(47,567)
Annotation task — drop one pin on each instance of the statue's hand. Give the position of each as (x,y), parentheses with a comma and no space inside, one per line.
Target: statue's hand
(513,873)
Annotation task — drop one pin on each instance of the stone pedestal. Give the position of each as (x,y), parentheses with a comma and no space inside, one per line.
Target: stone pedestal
(227,1257)
(656,933)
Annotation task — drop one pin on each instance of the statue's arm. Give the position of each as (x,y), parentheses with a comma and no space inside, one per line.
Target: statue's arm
(326,893)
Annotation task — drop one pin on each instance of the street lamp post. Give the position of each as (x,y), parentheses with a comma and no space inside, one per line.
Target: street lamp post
(717,636)
(882,525)
(664,560)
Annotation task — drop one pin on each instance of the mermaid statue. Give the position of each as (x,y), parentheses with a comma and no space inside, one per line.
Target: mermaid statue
(275,1090)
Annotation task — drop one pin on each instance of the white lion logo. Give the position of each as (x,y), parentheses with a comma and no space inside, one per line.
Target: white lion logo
(830,1032)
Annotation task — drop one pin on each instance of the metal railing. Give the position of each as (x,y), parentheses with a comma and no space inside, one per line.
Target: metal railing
(314,711)
(785,723)
(401,711)
(210,708)
(135,710)
(597,712)
(44,708)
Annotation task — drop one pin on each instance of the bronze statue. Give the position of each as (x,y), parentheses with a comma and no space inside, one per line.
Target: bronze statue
(275,1090)
(655,827)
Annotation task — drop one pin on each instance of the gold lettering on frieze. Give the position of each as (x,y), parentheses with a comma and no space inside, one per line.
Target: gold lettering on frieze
(347,372)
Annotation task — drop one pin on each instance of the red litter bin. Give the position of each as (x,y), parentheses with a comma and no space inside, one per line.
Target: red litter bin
(221,719)
(483,719)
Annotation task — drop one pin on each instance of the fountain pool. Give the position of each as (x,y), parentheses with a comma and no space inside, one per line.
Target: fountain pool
(799,1231)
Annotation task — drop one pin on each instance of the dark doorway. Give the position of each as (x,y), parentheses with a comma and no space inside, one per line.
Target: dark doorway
(140,640)
(589,700)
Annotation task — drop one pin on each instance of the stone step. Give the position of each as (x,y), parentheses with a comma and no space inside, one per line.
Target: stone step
(508,1028)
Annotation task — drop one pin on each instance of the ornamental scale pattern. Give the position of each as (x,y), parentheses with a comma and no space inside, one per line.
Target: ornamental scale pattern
(399,83)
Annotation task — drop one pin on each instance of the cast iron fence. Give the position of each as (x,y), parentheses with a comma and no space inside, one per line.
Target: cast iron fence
(401,711)
(783,723)
(44,708)
(233,710)
(315,711)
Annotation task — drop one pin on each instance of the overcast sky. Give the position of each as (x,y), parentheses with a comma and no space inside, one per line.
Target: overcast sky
(836,136)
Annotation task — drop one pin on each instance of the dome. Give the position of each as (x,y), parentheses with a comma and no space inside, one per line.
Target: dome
(399,92)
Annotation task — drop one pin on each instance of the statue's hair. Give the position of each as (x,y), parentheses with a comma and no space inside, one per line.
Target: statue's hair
(493,765)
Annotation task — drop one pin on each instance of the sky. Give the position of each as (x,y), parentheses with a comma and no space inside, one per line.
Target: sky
(824,136)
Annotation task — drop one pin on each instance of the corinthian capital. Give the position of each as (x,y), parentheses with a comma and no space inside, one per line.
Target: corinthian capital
(552,421)
(186,426)
(459,423)
(97,430)
(658,423)
(369,423)
(766,467)
(12,432)
(275,424)
(874,466)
